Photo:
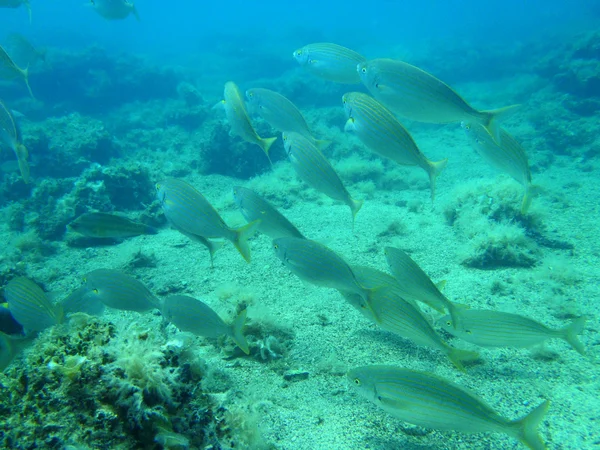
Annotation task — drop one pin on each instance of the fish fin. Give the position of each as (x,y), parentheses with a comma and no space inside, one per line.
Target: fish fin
(571,331)
(440,285)
(492,116)
(24,169)
(241,239)
(531,191)
(265,144)
(355,206)
(219,105)
(458,356)
(212,246)
(454,311)
(527,427)
(349,125)
(135,12)
(28,7)
(392,404)
(150,230)
(26,78)
(434,169)
(236,332)
(322,144)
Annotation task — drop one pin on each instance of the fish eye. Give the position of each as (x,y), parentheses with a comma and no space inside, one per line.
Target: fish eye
(357,381)
(95,291)
(275,246)
(467,127)
(468,332)
(298,52)
(363,70)
(449,322)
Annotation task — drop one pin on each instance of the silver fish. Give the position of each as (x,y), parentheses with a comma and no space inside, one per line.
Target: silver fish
(418,95)
(114,9)
(13,4)
(10,135)
(281,113)
(379,130)
(272,222)
(314,169)
(30,306)
(507,155)
(330,61)
(239,120)
(429,401)
(194,316)
(9,70)
(189,212)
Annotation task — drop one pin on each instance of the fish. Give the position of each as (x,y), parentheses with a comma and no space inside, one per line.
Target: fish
(416,285)
(417,95)
(13,4)
(104,225)
(379,130)
(281,113)
(23,52)
(114,9)
(488,328)
(314,169)
(9,70)
(10,135)
(386,308)
(30,306)
(83,300)
(239,120)
(189,212)
(331,62)
(192,315)
(272,222)
(507,156)
(118,290)
(429,401)
(8,324)
(317,264)
(11,346)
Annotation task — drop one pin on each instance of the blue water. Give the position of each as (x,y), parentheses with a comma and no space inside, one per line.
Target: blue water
(120,104)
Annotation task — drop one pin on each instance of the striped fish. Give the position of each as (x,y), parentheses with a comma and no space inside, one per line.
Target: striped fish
(190,213)
(118,290)
(417,95)
(281,113)
(83,300)
(394,314)
(23,52)
(239,120)
(105,225)
(194,316)
(10,71)
(272,222)
(314,169)
(416,285)
(30,306)
(508,156)
(379,130)
(330,61)
(319,265)
(429,401)
(488,328)
(10,135)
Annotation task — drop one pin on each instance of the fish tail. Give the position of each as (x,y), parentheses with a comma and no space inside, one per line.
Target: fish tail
(28,6)
(434,169)
(242,236)
(458,356)
(24,169)
(150,230)
(265,144)
(491,118)
(571,331)
(135,12)
(527,427)
(355,206)
(236,332)
(531,191)
(322,144)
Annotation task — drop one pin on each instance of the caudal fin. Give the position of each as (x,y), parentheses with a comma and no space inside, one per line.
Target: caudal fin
(135,13)
(527,427)
(236,332)
(491,117)
(571,332)
(531,191)
(242,236)
(459,356)
(26,79)
(434,169)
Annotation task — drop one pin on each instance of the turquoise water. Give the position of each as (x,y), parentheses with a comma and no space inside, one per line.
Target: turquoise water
(120,105)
